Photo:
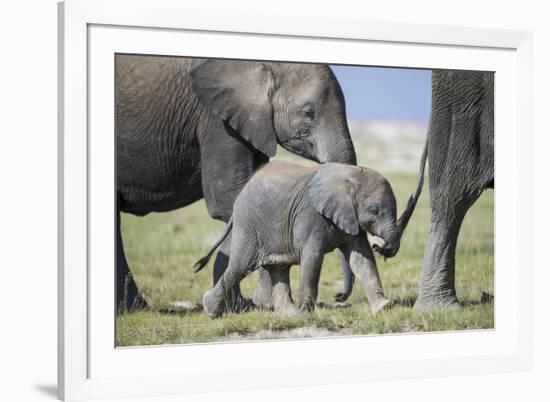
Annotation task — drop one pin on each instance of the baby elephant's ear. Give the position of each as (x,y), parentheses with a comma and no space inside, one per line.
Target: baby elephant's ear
(331,193)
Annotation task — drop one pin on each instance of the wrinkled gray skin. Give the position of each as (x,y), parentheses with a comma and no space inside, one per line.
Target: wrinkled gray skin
(193,128)
(289,214)
(460,150)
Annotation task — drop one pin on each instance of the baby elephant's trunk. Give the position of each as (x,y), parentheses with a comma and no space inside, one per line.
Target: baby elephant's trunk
(393,240)
(200,264)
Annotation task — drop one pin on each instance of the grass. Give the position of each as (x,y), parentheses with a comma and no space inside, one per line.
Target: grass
(162,248)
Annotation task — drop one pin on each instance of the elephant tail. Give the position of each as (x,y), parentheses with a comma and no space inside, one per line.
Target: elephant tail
(411,204)
(200,264)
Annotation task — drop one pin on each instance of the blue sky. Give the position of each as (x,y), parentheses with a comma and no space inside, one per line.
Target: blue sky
(385,93)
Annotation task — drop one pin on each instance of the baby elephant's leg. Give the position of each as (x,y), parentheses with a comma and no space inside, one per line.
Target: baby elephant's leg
(238,303)
(310,270)
(216,299)
(281,294)
(241,262)
(362,262)
(262,294)
(349,278)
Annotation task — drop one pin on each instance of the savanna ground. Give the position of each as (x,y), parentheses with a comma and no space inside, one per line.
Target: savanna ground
(161,249)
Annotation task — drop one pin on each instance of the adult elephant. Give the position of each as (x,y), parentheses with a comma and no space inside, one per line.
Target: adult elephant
(193,128)
(459,147)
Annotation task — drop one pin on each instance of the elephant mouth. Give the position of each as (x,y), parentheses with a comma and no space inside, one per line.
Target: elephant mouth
(382,247)
(297,147)
(386,252)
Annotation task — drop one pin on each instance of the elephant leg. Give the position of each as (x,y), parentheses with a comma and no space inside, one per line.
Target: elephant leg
(310,271)
(449,205)
(363,264)
(222,260)
(127,294)
(238,302)
(216,299)
(460,154)
(262,296)
(282,297)
(349,278)
(242,260)
(437,279)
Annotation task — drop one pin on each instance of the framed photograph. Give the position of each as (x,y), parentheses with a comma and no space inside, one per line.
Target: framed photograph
(254,201)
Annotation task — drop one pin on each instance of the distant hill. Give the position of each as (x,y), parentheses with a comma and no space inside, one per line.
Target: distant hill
(389,145)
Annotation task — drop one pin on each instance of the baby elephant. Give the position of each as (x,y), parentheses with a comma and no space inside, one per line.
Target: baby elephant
(289,214)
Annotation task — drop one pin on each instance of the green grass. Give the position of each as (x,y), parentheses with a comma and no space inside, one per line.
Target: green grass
(162,248)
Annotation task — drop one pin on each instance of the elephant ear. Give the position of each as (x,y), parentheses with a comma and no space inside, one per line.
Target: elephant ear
(332,195)
(239,92)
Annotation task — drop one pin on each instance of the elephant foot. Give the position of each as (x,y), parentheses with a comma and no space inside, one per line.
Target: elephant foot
(382,304)
(448,302)
(129,298)
(262,298)
(341,297)
(139,303)
(213,303)
(487,298)
(238,304)
(307,305)
(133,304)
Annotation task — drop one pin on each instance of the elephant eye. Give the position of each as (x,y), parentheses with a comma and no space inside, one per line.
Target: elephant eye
(309,112)
(374,211)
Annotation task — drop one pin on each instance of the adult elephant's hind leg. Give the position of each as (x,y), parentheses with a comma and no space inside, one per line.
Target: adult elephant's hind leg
(449,202)
(437,279)
(127,294)
(460,154)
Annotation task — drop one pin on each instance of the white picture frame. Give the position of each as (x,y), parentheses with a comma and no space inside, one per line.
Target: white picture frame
(89,365)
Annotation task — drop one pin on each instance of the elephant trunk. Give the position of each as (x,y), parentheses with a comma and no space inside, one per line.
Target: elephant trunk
(340,150)
(347,156)
(393,240)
